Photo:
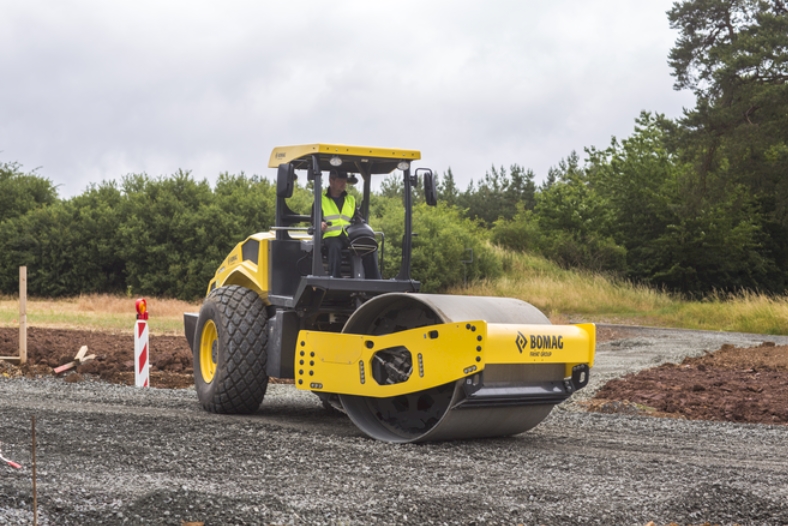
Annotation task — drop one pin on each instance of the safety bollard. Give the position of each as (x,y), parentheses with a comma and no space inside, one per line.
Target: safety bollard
(141,352)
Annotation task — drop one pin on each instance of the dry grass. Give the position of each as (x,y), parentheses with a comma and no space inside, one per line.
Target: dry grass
(560,292)
(97,312)
(745,312)
(567,294)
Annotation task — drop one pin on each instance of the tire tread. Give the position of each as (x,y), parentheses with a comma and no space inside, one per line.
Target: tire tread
(242,382)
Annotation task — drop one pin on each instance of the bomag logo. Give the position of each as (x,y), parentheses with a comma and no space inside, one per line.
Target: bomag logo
(538,342)
(521,341)
(547,342)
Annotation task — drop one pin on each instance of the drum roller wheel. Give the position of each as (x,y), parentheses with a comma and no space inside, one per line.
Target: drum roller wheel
(437,413)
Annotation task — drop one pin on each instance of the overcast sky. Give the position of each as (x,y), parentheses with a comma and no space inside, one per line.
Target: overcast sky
(93,90)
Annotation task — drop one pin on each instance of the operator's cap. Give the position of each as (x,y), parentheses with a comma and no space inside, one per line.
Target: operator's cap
(341,174)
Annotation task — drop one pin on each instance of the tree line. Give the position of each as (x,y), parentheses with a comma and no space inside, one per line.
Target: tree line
(162,236)
(694,205)
(166,236)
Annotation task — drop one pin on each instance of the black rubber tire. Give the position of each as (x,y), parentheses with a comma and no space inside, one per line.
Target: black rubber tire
(239,382)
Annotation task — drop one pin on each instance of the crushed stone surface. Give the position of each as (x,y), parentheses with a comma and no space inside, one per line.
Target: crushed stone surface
(114,454)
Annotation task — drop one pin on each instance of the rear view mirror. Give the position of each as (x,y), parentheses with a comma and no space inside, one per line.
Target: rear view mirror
(430,187)
(285,180)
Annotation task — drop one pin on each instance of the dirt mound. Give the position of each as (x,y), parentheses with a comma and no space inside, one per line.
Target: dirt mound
(171,365)
(731,384)
(171,358)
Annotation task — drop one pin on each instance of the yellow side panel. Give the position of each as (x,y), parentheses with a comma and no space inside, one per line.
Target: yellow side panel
(541,343)
(286,154)
(235,270)
(342,363)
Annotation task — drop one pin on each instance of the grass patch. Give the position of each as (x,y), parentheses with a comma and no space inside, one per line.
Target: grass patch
(745,312)
(569,294)
(97,312)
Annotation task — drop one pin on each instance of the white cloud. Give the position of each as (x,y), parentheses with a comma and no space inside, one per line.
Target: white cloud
(94,90)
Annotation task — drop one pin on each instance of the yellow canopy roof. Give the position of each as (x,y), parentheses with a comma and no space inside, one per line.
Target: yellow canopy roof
(370,159)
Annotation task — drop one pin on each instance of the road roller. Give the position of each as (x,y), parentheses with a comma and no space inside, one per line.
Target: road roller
(402,365)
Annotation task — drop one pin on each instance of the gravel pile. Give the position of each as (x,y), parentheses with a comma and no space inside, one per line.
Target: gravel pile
(111,454)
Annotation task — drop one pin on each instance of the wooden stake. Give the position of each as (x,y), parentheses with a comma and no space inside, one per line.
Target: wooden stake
(22,315)
(22,358)
(35,497)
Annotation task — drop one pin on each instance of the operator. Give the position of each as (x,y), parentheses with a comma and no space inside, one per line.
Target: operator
(339,212)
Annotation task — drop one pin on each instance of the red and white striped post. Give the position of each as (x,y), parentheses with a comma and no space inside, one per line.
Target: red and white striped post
(141,354)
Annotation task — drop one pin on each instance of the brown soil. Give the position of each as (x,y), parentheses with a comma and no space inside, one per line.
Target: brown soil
(731,384)
(171,365)
(171,358)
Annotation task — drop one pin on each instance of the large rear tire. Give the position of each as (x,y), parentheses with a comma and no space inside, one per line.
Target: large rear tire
(230,351)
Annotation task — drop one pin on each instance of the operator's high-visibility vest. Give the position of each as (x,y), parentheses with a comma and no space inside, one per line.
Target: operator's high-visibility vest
(339,220)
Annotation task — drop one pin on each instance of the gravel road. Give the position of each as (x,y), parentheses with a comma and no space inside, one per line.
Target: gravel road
(110,454)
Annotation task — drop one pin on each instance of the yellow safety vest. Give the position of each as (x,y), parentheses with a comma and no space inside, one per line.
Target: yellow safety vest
(339,220)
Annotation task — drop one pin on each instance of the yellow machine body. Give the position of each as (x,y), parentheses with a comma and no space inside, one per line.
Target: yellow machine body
(371,159)
(403,366)
(342,363)
(250,270)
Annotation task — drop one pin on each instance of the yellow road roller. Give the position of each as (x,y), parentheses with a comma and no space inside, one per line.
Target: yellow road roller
(403,366)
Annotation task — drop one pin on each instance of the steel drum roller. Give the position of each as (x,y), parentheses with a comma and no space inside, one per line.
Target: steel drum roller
(442,413)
